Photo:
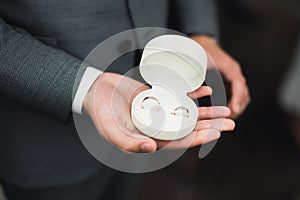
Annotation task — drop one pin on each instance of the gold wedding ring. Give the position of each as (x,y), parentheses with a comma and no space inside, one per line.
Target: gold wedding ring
(150,99)
(180,110)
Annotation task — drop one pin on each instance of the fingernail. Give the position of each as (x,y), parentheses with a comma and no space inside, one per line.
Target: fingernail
(146,147)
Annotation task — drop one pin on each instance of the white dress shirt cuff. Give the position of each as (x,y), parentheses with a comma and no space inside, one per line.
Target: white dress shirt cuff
(87,80)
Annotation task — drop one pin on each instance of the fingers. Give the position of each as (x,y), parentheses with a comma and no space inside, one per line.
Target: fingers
(205,136)
(231,71)
(196,138)
(204,132)
(202,91)
(212,112)
(218,124)
(132,141)
(240,97)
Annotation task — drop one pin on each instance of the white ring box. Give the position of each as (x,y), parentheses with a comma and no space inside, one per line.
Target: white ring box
(173,65)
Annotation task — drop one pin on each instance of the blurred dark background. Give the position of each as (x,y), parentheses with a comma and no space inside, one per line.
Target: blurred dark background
(260,159)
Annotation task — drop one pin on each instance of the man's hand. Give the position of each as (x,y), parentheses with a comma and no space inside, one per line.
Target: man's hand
(231,71)
(108,104)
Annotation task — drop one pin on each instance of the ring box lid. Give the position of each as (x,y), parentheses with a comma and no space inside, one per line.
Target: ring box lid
(174,61)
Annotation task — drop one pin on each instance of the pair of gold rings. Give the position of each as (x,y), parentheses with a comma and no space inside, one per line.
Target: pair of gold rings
(153,102)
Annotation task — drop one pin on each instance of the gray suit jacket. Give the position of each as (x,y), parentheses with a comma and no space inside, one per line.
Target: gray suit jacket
(42,44)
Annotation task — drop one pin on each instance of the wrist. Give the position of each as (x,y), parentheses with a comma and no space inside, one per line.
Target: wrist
(104,79)
(86,82)
(87,102)
(90,96)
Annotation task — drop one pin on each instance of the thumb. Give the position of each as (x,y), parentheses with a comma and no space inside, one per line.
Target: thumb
(128,140)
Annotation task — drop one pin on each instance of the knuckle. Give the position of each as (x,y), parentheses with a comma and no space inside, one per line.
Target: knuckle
(242,80)
(208,112)
(230,62)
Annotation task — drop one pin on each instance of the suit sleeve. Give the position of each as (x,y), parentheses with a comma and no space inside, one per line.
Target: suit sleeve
(36,75)
(195,17)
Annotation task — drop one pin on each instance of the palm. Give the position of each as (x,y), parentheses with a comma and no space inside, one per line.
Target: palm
(109,102)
